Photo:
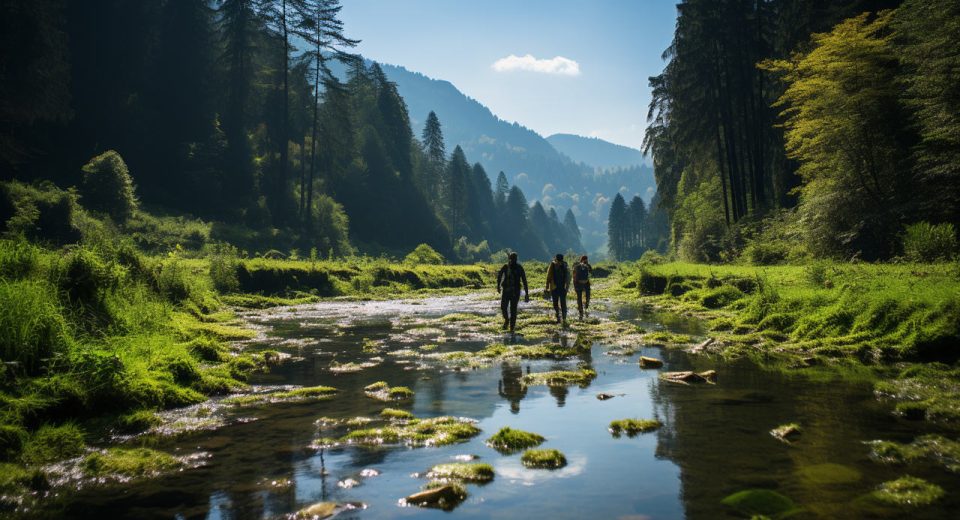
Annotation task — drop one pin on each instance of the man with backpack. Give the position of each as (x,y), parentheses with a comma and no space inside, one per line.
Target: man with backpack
(508,285)
(558,283)
(581,283)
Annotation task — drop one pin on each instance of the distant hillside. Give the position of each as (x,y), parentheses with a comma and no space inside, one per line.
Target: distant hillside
(528,160)
(596,152)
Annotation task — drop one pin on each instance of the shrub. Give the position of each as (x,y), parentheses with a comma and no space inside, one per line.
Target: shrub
(18,258)
(107,186)
(223,268)
(173,281)
(762,252)
(925,242)
(424,255)
(43,213)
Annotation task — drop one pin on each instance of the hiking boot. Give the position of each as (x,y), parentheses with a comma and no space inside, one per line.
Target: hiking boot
(506,324)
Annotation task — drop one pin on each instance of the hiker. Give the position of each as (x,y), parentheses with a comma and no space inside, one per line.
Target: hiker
(508,285)
(558,283)
(581,283)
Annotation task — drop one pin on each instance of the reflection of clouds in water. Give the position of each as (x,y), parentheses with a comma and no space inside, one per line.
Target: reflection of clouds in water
(514,470)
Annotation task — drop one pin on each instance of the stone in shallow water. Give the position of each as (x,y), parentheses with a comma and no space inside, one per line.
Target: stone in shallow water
(348,483)
(786,432)
(370,472)
(441,495)
(649,362)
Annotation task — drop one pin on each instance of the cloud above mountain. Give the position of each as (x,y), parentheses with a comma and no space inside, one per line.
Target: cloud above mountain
(556,65)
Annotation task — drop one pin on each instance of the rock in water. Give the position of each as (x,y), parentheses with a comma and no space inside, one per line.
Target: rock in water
(318,510)
(603,397)
(649,362)
(787,432)
(446,496)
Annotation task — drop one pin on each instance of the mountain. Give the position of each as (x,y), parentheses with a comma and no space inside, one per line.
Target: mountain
(596,152)
(528,160)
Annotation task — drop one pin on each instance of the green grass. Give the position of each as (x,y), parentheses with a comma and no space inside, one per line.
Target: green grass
(509,440)
(465,471)
(908,491)
(128,462)
(581,377)
(548,459)
(633,426)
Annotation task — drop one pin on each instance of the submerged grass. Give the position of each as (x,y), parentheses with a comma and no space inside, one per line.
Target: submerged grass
(633,427)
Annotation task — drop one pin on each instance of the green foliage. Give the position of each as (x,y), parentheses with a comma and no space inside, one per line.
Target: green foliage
(32,328)
(18,259)
(470,472)
(908,491)
(223,268)
(42,213)
(423,254)
(632,427)
(925,242)
(107,186)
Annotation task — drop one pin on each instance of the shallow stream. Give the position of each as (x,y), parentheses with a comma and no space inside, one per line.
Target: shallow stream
(715,440)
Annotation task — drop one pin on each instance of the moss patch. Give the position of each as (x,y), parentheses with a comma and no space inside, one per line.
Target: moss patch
(633,427)
(581,377)
(829,474)
(129,463)
(394,413)
(932,447)
(508,440)
(908,491)
(548,459)
(465,471)
(437,431)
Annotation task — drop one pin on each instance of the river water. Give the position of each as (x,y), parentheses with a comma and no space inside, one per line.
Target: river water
(715,440)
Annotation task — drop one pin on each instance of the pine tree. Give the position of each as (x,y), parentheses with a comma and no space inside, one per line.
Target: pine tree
(457,175)
(237,28)
(636,220)
(436,154)
(617,226)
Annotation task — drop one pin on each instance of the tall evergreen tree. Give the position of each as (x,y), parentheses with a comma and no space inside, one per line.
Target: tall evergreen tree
(617,228)
(436,154)
(457,175)
(237,27)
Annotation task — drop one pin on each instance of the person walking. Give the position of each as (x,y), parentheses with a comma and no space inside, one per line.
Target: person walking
(558,283)
(581,283)
(508,285)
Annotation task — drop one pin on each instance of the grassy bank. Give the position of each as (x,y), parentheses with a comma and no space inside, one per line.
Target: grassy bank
(97,337)
(901,317)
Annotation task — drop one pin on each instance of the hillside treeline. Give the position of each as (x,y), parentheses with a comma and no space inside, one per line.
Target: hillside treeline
(229,112)
(791,129)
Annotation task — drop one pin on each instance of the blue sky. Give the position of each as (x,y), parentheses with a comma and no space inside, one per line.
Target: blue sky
(588,61)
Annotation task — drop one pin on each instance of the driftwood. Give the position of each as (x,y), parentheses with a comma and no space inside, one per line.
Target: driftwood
(689,377)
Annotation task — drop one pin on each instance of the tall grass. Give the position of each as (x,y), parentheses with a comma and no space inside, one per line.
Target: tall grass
(32,328)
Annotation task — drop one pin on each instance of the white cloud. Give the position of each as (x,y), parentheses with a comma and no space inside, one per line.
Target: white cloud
(555,65)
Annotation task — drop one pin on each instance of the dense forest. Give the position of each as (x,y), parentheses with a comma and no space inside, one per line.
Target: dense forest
(794,129)
(231,112)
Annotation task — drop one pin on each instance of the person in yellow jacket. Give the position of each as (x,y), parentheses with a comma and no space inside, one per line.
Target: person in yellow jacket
(558,283)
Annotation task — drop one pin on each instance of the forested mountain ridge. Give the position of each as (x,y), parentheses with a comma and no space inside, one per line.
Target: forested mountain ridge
(596,152)
(528,159)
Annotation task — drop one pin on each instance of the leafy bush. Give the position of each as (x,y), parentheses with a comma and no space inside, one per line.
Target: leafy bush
(107,186)
(42,212)
(762,252)
(925,242)
(223,268)
(18,258)
(424,255)
(174,284)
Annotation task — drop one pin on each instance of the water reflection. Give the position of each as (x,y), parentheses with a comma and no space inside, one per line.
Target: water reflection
(714,441)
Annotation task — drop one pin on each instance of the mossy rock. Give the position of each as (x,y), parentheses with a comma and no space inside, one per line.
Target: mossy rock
(439,494)
(829,474)
(908,491)
(393,413)
(545,459)
(633,427)
(508,440)
(759,502)
(466,471)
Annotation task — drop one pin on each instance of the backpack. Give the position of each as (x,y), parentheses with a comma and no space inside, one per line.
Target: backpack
(583,274)
(509,279)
